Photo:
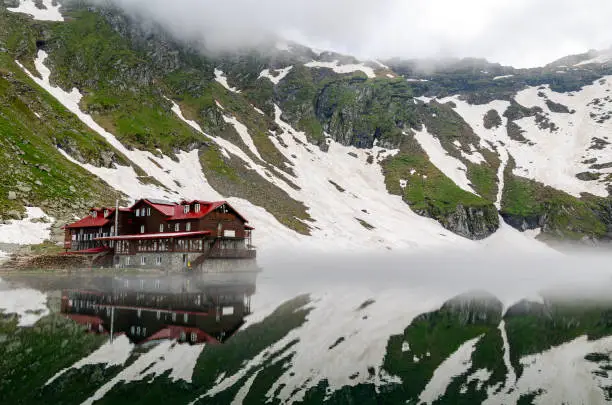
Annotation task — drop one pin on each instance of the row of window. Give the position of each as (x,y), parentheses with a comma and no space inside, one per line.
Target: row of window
(176,226)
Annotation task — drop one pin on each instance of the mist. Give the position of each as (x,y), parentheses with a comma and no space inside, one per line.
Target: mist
(520,33)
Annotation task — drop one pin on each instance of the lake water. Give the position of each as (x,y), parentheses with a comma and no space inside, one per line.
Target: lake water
(480,327)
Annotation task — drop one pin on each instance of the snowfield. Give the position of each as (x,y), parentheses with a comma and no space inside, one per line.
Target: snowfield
(30,305)
(111,354)
(35,228)
(222,79)
(279,75)
(49,13)
(350,68)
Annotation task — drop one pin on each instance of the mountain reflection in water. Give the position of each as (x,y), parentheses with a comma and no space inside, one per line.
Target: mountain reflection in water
(194,308)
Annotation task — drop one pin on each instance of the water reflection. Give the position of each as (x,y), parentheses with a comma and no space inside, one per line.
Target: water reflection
(195,308)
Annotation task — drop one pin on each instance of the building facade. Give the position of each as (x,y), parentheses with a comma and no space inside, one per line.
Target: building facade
(210,236)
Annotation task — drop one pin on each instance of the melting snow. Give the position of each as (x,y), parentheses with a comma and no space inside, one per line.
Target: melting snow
(563,374)
(453,168)
(30,305)
(336,67)
(179,359)
(502,77)
(222,79)
(51,13)
(244,135)
(111,354)
(33,229)
(455,365)
(280,74)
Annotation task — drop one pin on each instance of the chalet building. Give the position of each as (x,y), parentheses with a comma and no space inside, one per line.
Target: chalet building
(154,309)
(211,236)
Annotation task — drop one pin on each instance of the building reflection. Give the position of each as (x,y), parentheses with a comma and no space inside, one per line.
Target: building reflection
(201,308)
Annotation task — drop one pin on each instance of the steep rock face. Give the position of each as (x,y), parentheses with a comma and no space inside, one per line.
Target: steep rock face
(360,112)
(472,222)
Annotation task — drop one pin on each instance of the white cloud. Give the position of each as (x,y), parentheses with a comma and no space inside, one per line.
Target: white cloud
(518,32)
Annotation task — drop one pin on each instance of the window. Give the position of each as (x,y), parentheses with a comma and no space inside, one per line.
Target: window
(158,260)
(128,260)
(132,330)
(137,213)
(157,284)
(142,228)
(161,227)
(143,260)
(105,213)
(139,313)
(196,207)
(148,211)
(185,317)
(185,209)
(142,284)
(174,317)
(94,214)
(138,331)
(158,315)
(194,337)
(188,226)
(177,227)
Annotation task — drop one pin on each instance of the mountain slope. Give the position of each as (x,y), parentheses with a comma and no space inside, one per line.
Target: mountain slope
(316,146)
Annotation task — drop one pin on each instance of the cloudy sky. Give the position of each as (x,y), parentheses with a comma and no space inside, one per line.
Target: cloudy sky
(522,33)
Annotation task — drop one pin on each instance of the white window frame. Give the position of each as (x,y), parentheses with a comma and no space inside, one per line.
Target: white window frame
(177,227)
(148,211)
(188,226)
(194,337)
(158,260)
(143,260)
(94,214)
(142,229)
(196,207)
(138,212)
(161,228)
(128,260)
(185,209)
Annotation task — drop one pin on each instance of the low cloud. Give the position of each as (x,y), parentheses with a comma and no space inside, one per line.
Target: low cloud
(521,33)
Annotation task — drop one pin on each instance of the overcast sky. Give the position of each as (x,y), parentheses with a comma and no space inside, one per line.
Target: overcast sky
(522,33)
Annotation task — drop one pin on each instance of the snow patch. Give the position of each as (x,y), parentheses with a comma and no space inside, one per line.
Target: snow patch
(35,228)
(179,359)
(276,78)
(453,168)
(30,305)
(563,374)
(222,79)
(50,13)
(455,365)
(502,77)
(112,354)
(350,68)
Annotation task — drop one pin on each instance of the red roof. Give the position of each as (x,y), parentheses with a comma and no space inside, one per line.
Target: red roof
(89,222)
(166,208)
(164,235)
(174,332)
(206,207)
(100,220)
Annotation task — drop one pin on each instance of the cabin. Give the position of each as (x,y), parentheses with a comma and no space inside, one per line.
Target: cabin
(193,234)
(148,309)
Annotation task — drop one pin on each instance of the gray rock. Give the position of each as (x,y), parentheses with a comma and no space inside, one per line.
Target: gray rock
(14,214)
(24,188)
(72,189)
(12,195)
